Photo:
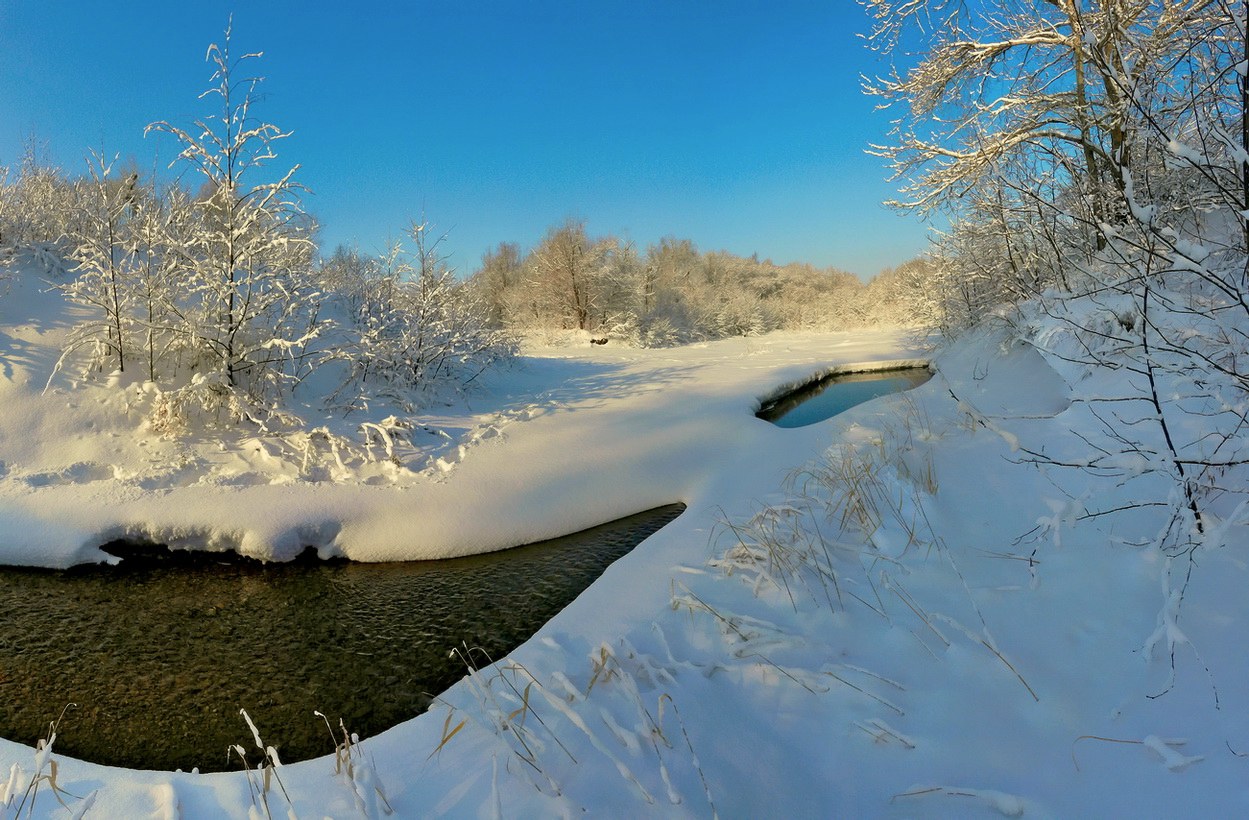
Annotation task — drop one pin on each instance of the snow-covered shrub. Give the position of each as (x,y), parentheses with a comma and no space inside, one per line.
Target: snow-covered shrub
(737,314)
(206,399)
(662,331)
(668,320)
(6,209)
(37,204)
(411,328)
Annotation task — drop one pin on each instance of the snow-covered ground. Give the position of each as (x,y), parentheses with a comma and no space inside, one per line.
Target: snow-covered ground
(966,653)
(567,439)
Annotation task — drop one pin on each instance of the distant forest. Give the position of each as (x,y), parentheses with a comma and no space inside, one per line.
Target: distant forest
(670,293)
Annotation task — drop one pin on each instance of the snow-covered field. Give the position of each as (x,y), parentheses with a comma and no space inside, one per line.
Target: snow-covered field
(966,653)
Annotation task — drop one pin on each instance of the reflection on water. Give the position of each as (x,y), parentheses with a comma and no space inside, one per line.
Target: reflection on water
(160,653)
(836,394)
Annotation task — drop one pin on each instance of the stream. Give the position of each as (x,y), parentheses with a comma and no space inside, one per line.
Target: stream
(824,398)
(148,662)
(161,651)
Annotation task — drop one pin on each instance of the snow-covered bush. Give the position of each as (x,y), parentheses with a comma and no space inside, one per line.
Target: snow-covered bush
(37,204)
(411,328)
(6,210)
(735,313)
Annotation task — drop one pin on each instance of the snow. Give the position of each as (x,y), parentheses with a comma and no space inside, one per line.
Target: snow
(971,663)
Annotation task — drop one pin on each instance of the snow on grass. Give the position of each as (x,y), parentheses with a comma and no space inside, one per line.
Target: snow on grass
(952,645)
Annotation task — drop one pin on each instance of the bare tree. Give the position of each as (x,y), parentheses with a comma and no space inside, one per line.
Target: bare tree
(561,272)
(501,271)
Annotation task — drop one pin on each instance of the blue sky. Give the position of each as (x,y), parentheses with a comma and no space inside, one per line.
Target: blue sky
(739,125)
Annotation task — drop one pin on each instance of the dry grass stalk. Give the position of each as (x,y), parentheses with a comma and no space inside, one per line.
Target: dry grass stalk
(350,762)
(46,770)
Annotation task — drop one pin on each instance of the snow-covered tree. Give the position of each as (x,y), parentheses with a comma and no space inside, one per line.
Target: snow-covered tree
(249,308)
(562,273)
(619,285)
(500,272)
(1000,81)
(911,286)
(39,207)
(6,208)
(159,231)
(1050,131)
(347,274)
(1091,155)
(105,255)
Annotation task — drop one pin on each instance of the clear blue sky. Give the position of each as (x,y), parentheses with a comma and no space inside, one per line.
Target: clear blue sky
(739,125)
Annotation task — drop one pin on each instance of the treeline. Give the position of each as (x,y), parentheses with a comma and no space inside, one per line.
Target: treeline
(229,280)
(672,293)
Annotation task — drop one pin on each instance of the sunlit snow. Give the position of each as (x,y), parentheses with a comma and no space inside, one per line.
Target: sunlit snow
(974,655)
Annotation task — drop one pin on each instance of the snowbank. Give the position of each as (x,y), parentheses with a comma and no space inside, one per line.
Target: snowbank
(963,651)
(556,445)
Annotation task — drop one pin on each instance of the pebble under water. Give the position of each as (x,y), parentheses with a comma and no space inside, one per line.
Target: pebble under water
(160,652)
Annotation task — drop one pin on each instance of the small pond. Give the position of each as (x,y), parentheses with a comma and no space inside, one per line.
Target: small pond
(160,652)
(825,398)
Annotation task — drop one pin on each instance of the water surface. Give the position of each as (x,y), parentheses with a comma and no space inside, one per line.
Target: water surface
(160,652)
(825,398)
